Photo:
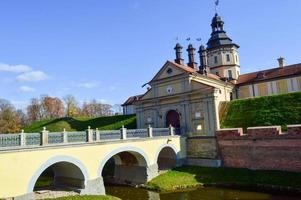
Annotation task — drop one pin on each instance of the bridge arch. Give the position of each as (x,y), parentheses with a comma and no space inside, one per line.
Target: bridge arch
(167,156)
(134,150)
(55,160)
(130,166)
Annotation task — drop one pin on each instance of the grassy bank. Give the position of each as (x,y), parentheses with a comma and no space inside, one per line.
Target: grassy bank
(87,197)
(82,123)
(189,177)
(281,110)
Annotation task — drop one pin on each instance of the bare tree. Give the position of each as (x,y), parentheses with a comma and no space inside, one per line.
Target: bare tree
(34,110)
(96,109)
(71,106)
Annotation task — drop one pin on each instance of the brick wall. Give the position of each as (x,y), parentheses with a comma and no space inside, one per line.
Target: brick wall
(261,148)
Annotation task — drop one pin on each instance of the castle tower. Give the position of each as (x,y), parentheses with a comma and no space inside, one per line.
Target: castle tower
(222,53)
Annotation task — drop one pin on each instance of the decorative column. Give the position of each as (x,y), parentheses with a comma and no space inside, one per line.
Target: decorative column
(44,137)
(65,136)
(123,133)
(89,134)
(97,134)
(171,130)
(22,138)
(150,131)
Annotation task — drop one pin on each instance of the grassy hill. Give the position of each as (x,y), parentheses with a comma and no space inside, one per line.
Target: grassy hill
(82,123)
(281,110)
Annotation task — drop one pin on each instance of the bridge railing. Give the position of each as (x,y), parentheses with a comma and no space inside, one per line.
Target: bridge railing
(45,137)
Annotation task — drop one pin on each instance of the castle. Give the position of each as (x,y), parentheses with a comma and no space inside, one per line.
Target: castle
(188,97)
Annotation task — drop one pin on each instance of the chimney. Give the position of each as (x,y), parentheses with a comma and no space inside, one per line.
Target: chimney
(203,60)
(178,48)
(281,62)
(191,63)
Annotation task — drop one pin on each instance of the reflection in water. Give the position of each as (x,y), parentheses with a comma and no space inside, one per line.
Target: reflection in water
(130,193)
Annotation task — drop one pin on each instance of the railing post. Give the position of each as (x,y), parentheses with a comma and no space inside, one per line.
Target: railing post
(22,138)
(89,134)
(171,130)
(65,136)
(44,139)
(150,131)
(97,134)
(123,133)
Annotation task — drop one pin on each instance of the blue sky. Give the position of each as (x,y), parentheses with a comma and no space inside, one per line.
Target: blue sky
(107,49)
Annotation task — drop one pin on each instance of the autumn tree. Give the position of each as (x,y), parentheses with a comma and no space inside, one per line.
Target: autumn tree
(9,119)
(52,107)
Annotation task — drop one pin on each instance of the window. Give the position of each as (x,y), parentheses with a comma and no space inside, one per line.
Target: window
(230,74)
(228,57)
(236,58)
(215,59)
(217,73)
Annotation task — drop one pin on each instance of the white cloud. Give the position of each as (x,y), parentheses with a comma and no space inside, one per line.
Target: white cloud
(25,89)
(32,76)
(88,85)
(14,68)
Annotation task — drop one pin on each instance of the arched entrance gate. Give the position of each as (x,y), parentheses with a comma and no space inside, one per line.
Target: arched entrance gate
(173,119)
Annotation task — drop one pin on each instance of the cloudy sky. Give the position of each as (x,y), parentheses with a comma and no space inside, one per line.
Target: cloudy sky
(107,49)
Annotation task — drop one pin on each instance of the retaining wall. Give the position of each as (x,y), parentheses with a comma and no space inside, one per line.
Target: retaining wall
(261,148)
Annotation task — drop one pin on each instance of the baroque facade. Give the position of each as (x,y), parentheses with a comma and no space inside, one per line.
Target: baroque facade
(188,96)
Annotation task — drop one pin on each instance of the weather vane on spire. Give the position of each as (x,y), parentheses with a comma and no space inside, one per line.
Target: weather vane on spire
(216,5)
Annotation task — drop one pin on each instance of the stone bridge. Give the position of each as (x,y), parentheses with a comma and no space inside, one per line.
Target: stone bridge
(78,159)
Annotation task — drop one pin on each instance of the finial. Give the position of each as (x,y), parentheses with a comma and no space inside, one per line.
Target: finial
(216,6)
(44,128)
(89,127)
(64,130)
(22,131)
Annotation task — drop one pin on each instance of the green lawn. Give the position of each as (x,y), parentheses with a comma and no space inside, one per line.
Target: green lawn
(273,110)
(87,197)
(82,123)
(190,176)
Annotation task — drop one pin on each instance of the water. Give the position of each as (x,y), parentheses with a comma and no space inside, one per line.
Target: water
(130,193)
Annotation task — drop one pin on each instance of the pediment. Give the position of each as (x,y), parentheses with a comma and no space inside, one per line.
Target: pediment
(168,70)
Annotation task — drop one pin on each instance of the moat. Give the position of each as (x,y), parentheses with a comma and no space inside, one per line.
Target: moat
(130,193)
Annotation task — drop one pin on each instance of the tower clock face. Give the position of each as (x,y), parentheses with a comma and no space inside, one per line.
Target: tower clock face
(169,90)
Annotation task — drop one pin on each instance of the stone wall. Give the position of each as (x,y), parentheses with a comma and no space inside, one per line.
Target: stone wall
(202,147)
(261,148)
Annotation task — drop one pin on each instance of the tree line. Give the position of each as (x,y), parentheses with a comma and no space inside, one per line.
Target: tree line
(46,107)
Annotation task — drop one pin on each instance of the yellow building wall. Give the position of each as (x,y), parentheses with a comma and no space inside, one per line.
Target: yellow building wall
(281,86)
(299,82)
(176,88)
(244,92)
(19,166)
(263,89)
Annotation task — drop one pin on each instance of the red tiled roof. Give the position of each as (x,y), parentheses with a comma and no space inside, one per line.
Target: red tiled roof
(274,73)
(131,100)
